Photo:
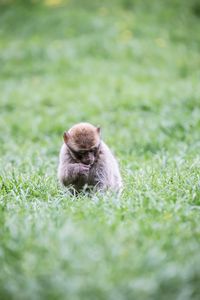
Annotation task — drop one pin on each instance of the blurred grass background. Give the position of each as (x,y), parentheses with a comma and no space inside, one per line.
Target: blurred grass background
(132,67)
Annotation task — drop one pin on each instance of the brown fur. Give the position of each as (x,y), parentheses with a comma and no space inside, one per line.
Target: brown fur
(86,160)
(83,136)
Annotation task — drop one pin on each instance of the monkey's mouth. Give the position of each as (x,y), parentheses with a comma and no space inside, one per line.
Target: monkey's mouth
(88,163)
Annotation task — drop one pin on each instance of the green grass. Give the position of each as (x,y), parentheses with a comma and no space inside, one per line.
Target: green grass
(132,67)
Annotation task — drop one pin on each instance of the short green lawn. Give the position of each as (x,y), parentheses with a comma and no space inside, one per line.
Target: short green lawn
(132,67)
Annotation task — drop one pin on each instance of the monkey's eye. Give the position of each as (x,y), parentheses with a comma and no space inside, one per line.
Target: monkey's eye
(82,152)
(94,151)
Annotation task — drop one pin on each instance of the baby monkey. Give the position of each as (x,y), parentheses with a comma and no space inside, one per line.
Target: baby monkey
(86,161)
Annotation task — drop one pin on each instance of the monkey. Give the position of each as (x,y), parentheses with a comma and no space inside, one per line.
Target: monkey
(86,161)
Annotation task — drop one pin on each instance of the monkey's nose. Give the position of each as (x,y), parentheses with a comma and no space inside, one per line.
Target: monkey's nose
(89,161)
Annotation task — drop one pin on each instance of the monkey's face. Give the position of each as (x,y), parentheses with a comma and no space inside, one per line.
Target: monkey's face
(86,157)
(83,141)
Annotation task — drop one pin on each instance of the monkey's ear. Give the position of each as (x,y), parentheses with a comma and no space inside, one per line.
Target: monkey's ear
(98,130)
(66,136)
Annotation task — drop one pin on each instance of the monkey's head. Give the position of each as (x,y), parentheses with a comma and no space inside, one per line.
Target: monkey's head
(83,141)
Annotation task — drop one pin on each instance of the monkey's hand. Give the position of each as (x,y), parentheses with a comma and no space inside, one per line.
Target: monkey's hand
(81,170)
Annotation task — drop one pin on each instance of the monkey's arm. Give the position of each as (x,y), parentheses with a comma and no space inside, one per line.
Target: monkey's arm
(69,172)
(106,173)
(99,177)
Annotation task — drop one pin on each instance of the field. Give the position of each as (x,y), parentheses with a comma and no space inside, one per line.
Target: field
(132,67)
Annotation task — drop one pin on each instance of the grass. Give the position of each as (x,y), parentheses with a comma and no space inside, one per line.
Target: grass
(133,68)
